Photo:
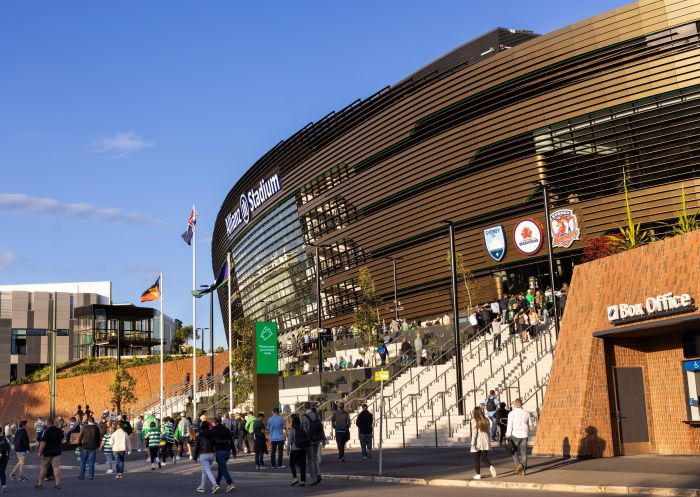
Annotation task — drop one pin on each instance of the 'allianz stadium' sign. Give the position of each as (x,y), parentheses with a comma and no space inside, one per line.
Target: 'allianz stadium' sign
(251,201)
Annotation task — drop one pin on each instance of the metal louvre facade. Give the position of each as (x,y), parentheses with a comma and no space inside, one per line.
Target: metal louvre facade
(463,141)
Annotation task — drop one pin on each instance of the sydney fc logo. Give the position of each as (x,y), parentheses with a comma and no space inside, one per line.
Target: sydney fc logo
(495,239)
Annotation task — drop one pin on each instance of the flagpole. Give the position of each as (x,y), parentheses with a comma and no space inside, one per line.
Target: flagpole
(230,345)
(194,322)
(162,316)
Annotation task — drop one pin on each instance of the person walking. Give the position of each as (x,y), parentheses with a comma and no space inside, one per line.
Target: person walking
(243,444)
(204,453)
(184,426)
(89,441)
(312,425)
(167,438)
(501,417)
(365,429)
(276,428)
(297,443)
(50,453)
(259,441)
(418,346)
(139,434)
(120,447)
(223,446)
(4,459)
(491,404)
(518,429)
(340,421)
(151,437)
(106,447)
(39,427)
(481,444)
(21,449)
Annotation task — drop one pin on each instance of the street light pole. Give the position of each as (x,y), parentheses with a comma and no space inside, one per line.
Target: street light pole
(550,254)
(52,351)
(318,318)
(396,298)
(455,314)
(211,333)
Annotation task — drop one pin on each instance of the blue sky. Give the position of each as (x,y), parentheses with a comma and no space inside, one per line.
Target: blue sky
(117,116)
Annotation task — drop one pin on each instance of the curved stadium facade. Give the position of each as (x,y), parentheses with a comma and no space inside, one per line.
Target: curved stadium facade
(463,139)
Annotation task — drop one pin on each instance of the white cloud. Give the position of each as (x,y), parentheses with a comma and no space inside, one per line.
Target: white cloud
(8,259)
(122,143)
(18,203)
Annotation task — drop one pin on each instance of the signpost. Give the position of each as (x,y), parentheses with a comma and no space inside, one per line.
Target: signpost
(266,348)
(381,377)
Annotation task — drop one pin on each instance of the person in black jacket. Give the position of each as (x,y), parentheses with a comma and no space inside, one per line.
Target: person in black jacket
(259,441)
(21,449)
(89,441)
(501,417)
(204,453)
(365,428)
(223,446)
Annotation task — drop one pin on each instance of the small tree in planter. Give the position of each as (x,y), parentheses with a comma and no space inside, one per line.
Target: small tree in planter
(366,318)
(122,389)
(630,236)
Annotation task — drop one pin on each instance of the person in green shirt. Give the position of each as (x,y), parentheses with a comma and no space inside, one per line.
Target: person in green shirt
(151,436)
(249,422)
(530,297)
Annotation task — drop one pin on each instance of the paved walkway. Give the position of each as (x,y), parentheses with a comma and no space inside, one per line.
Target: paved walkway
(676,472)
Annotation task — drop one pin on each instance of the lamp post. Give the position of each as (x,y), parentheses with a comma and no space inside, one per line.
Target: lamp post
(318,317)
(203,330)
(211,333)
(550,252)
(455,314)
(396,299)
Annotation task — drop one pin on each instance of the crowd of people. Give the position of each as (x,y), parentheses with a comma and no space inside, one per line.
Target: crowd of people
(216,440)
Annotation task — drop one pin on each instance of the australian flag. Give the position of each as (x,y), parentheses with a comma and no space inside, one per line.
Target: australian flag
(191,222)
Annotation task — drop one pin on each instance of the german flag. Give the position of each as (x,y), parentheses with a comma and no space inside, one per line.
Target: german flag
(153,293)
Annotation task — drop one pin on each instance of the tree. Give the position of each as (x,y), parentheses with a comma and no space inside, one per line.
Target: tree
(630,236)
(366,318)
(122,389)
(467,278)
(243,336)
(685,222)
(182,337)
(219,350)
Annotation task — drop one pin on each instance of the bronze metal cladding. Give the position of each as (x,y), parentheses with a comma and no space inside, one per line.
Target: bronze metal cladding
(576,107)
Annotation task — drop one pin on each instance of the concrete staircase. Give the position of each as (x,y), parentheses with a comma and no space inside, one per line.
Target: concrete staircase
(421,407)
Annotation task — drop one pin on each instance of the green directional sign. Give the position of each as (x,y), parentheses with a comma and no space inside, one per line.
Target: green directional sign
(266,348)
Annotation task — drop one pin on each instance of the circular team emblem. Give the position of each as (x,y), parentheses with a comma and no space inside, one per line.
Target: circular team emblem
(245,209)
(528,236)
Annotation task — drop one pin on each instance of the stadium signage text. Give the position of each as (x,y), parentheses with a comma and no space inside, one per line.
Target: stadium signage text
(658,306)
(251,201)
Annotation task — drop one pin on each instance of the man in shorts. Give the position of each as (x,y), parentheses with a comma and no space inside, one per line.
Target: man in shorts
(50,453)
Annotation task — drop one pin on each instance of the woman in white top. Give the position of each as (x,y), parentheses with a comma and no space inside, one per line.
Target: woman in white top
(481,442)
(120,446)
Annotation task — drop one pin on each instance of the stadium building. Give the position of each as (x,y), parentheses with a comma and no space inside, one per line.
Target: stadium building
(463,140)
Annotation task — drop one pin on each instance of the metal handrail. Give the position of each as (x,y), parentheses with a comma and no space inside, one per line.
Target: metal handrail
(544,353)
(177,390)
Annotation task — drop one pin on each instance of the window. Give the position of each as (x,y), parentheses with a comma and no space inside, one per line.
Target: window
(18,344)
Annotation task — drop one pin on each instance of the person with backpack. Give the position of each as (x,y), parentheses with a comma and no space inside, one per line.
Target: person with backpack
(312,425)
(491,404)
(151,437)
(297,443)
(259,441)
(4,459)
(21,449)
(481,444)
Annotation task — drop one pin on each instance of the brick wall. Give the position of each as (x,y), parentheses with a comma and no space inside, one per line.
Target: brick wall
(578,410)
(32,400)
